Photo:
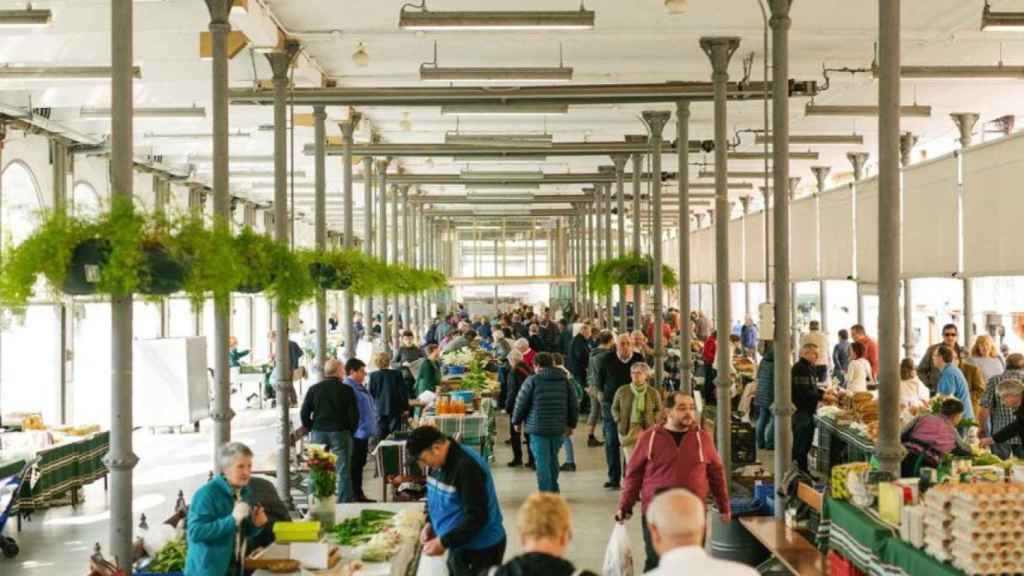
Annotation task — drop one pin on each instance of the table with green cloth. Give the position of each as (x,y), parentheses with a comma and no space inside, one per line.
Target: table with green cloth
(873,546)
(839,445)
(10,468)
(63,469)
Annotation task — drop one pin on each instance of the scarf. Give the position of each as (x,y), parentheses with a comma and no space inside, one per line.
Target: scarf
(639,404)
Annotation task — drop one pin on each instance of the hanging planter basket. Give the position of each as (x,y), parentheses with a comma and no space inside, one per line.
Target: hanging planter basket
(329,277)
(87,261)
(162,274)
(256,252)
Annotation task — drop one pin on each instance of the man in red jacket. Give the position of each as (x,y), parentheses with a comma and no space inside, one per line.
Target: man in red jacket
(679,454)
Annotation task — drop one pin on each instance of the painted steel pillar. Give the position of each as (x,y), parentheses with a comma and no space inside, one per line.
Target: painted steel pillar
(394,324)
(965,122)
(683,135)
(821,177)
(121,458)
(747,296)
(382,245)
(638,170)
(907,142)
(656,124)
(889,450)
(619,161)
(348,238)
(720,50)
(280,62)
(320,225)
(407,321)
(61,162)
(783,408)
(588,256)
(368,248)
(609,249)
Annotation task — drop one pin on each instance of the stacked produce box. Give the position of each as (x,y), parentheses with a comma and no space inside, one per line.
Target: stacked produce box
(977,527)
(938,521)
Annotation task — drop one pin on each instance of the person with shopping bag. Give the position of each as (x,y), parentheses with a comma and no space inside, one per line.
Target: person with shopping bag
(678,454)
(676,519)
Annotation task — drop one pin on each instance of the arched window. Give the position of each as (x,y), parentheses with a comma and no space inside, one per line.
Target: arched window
(20,202)
(85,201)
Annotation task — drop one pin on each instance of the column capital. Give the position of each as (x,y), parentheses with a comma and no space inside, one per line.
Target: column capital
(348,128)
(965,122)
(719,50)
(281,61)
(620,162)
(907,143)
(794,181)
(858,160)
(220,10)
(319,112)
(821,175)
(382,165)
(683,110)
(656,120)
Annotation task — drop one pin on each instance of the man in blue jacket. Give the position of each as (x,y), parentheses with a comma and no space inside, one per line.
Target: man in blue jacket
(547,407)
(463,514)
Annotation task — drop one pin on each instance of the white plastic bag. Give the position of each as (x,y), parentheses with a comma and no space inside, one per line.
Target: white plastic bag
(618,559)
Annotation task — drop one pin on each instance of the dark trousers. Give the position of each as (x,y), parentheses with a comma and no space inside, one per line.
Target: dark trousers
(709,384)
(517,446)
(475,562)
(360,449)
(388,424)
(612,452)
(822,372)
(803,438)
(651,561)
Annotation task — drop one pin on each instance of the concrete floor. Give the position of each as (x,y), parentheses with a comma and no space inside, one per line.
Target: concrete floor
(59,541)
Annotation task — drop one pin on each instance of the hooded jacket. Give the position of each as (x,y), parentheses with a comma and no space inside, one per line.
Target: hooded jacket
(547,403)
(658,464)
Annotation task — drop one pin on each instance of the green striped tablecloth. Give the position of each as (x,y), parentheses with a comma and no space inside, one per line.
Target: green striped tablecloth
(63,468)
(839,445)
(10,468)
(873,546)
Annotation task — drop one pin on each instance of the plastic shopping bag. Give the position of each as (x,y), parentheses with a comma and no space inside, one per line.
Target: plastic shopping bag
(618,559)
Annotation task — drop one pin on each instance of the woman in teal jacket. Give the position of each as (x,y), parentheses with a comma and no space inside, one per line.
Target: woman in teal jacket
(222,515)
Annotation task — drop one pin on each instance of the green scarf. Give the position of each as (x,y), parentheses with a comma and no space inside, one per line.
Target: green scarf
(639,404)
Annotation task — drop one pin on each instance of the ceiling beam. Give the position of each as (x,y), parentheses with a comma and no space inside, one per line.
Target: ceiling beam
(466,150)
(582,94)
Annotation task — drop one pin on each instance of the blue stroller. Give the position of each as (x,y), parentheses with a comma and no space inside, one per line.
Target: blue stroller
(9,488)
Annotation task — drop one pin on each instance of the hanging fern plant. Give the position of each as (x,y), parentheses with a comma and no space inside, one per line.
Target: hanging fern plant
(629,270)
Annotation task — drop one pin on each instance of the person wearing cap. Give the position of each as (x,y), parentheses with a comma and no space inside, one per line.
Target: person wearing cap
(463,514)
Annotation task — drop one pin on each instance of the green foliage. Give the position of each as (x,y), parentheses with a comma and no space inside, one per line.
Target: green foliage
(209,256)
(627,270)
(256,253)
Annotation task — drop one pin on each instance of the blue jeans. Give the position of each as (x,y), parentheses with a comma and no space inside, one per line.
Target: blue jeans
(763,430)
(340,444)
(545,456)
(611,445)
(570,454)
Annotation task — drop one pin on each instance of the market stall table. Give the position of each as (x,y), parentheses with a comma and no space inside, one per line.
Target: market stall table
(873,546)
(62,469)
(839,444)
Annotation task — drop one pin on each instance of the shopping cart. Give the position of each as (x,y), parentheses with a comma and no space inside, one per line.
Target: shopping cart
(9,488)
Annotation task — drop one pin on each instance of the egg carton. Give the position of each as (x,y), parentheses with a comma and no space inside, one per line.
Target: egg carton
(960,526)
(939,522)
(939,553)
(990,567)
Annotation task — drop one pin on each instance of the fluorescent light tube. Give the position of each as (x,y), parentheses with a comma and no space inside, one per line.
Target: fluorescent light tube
(191,136)
(143,112)
(760,156)
(495,74)
(426,20)
(499,158)
(962,72)
(28,18)
(734,174)
(509,109)
(49,73)
(535,176)
(914,111)
(499,140)
(856,139)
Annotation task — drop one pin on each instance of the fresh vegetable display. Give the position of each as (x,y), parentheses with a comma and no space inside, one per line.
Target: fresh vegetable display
(170,558)
(840,474)
(358,530)
(476,378)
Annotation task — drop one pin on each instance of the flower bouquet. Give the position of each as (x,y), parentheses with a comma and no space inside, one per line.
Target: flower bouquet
(323,482)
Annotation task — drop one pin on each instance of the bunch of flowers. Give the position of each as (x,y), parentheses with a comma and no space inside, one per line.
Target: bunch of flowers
(461,358)
(323,476)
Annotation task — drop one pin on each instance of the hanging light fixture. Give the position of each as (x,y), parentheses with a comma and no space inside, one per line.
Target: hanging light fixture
(501,110)
(1001,21)
(915,111)
(425,20)
(360,57)
(27,18)
(676,6)
(146,112)
(432,71)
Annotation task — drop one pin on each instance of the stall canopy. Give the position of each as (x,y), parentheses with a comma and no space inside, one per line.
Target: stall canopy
(930,200)
(754,258)
(702,269)
(803,233)
(866,230)
(837,233)
(993,205)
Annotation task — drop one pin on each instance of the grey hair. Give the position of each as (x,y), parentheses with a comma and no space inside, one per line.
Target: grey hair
(1010,388)
(522,344)
(663,512)
(230,452)
(515,356)
(640,367)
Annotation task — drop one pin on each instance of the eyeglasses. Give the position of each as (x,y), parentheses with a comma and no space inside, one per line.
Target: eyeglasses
(949,334)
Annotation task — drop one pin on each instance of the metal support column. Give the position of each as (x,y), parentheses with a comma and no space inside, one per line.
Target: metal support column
(606,206)
(588,259)
(783,408)
(656,124)
(320,226)
(407,321)
(395,313)
(348,238)
(890,451)
(683,135)
(368,248)
(60,167)
(720,51)
(382,245)
(907,142)
(965,122)
(638,170)
(620,205)
(121,458)
(821,177)
(748,298)
(280,62)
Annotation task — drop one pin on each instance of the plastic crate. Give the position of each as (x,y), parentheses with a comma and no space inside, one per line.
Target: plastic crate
(744,450)
(840,566)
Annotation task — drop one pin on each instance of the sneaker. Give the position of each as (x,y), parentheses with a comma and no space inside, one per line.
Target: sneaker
(567,467)
(593,442)
(515,464)
(612,485)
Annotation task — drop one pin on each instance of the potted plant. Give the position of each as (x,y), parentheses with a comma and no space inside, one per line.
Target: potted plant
(323,483)
(209,257)
(333,269)
(256,251)
(271,267)
(628,270)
